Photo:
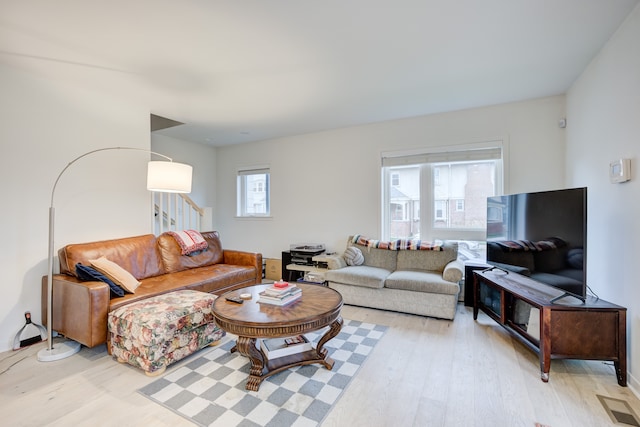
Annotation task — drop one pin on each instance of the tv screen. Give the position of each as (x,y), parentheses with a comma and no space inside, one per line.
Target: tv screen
(542,235)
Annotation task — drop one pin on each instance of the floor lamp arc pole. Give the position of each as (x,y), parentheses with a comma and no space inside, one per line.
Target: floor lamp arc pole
(164,175)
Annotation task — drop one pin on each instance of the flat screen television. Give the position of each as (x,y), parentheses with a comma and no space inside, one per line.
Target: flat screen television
(542,235)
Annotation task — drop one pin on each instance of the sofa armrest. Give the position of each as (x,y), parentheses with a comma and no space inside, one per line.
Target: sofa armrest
(79,309)
(252,259)
(453,271)
(335,262)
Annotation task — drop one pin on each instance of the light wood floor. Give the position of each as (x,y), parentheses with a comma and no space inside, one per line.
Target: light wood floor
(424,372)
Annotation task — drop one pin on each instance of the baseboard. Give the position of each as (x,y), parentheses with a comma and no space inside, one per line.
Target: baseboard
(634,385)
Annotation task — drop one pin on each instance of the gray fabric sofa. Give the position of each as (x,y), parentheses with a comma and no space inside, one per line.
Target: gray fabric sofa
(423,282)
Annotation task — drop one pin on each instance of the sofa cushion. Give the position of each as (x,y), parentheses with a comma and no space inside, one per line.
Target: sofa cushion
(174,260)
(421,281)
(373,257)
(216,278)
(428,260)
(359,275)
(138,255)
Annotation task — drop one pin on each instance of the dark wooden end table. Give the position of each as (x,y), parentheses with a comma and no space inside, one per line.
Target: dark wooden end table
(319,307)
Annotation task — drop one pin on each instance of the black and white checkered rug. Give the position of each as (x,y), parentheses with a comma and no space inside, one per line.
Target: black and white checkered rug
(209,388)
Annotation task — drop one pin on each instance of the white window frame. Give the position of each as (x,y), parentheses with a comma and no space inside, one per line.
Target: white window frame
(242,210)
(495,149)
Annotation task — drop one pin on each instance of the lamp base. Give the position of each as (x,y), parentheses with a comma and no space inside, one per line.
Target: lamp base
(59,350)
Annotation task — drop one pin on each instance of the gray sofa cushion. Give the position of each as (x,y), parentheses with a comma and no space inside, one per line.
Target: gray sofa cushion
(421,281)
(428,260)
(359,275)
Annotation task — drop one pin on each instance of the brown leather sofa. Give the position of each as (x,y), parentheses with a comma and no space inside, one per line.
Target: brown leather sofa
(80,308)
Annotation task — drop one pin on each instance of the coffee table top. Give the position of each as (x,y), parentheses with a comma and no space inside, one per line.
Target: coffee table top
(319,306)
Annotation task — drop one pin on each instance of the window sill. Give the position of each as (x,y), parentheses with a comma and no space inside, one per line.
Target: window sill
(260,218)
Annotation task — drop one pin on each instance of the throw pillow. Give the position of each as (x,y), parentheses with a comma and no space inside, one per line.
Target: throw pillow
(190,241)
(116,273)
(353,256)
(90,274)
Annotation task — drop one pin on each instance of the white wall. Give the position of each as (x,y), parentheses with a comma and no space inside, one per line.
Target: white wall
(326,185)
(201,157)
(44,124)
(603,116)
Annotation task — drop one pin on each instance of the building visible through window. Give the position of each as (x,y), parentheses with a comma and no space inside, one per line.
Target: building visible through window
(451,187)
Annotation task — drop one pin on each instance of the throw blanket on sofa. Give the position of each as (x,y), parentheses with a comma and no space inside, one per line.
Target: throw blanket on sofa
(189,240)
(398,244)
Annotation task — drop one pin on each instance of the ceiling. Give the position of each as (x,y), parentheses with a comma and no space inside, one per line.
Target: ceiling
(247,70)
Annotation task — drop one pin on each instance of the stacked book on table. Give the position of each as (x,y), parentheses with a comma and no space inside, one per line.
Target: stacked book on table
(279,347)
(280,293)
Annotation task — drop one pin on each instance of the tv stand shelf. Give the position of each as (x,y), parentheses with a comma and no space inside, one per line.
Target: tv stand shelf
(566,329)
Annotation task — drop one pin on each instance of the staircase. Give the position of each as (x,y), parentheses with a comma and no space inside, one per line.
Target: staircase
(174,212)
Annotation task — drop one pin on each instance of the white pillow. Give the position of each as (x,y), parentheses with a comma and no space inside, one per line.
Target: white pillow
(353,256)
(113,271)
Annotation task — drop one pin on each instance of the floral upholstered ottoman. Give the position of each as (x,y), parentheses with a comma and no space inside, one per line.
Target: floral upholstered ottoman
(155,332)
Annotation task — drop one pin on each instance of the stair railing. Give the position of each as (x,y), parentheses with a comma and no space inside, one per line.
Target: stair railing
(174,212)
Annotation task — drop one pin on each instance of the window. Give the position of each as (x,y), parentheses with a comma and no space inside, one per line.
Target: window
(451,186)
(397,211)
(441,210)
(253,192)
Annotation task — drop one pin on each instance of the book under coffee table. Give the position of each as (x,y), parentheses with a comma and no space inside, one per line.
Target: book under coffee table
(319,307)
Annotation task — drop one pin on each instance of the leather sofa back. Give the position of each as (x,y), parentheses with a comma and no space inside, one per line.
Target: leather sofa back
(138,255)
(142,256)
(174,260)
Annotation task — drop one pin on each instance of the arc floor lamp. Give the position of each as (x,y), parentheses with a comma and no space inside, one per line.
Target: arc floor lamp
(165,176)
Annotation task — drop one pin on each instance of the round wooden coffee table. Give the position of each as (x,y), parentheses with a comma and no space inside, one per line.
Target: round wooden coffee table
(319,307)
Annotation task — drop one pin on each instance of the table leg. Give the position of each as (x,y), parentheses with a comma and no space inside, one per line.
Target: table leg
(334,329)
(247,347)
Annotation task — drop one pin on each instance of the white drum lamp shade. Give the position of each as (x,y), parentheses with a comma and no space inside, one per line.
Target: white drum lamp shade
(169,177)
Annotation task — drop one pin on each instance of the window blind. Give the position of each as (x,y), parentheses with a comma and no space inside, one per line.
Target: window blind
(254,171)
(466,155)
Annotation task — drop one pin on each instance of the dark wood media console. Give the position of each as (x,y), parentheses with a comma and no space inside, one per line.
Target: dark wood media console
(566,329)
